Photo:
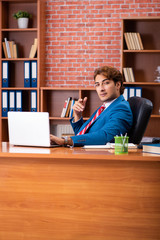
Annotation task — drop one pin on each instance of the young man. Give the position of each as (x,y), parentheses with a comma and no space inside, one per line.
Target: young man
(113,118)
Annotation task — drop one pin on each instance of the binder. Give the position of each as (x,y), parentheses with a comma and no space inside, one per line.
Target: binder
(126,93)
(27,80)
(18,100)
(33,101)
(12,101)
(138,92)
(131,92)
(5,74)
(33,73)
(4,103)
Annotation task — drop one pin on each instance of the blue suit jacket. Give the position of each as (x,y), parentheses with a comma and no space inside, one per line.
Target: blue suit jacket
(115,120)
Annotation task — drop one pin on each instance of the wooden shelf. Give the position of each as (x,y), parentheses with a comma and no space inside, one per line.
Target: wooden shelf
(24,38)
(19,29)
(142,83)
(18,59)
(141,51)
(155,116)
(52,101)
(144,63)
(19,88)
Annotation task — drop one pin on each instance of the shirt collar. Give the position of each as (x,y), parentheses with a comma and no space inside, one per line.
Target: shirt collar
(109,103)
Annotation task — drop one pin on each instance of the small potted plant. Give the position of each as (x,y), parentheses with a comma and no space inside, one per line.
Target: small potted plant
(23,18)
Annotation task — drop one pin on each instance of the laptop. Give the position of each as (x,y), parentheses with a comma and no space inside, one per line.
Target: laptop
(29,129)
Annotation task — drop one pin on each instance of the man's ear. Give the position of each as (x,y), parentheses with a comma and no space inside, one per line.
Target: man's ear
(118,84)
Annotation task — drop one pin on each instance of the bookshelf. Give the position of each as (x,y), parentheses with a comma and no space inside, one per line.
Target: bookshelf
(144,63)
(52,101)
(24,38)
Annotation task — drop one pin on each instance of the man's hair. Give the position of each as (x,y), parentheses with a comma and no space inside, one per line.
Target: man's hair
(110,73)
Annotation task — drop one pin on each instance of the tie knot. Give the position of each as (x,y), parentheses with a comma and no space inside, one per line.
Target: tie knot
(102,108)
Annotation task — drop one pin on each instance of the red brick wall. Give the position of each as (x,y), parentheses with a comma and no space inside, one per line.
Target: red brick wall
(82,35)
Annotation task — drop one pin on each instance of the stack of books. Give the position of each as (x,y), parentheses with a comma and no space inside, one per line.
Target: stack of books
(133,41)
(9,49)
(67,110)
(152,148)
(128,75)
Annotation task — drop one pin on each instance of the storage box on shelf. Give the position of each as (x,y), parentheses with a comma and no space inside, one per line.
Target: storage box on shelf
(144,63)
(24,39)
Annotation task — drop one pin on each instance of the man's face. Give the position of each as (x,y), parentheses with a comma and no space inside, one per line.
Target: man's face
(106,89)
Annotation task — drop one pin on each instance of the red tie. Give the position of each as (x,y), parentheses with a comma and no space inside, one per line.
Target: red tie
(99,111)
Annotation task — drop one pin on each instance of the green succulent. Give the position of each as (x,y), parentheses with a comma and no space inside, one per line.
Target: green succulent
(22,14)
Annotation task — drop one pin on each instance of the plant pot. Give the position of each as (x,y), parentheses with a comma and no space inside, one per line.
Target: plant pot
(23,22)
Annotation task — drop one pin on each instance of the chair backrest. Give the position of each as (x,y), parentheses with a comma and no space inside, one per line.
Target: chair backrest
(141,109)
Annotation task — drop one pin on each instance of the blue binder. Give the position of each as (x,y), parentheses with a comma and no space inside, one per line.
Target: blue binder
(19,100)
(27,74)
(126,93)
(138,92)
(33,73)
(131,92)
(5,74)
(33,101)
(4,103)
(12,100)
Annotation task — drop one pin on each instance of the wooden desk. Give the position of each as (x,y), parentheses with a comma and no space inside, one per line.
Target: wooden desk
(73,194)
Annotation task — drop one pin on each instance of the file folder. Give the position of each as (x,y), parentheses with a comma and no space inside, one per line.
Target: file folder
(126,93)
(33,73)
(12,101)
(34,101)
(18,100)
(4,103)
(138,92)
(131,92)
(27,80)
(5,74)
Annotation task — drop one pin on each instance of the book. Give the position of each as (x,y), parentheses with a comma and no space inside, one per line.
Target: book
(71,110)
(127,41)
(137,41)
(126,76)
(64,109)
(4,49)
(68,107)
(136,44)
(11,43)
(134,47)
(131,41)
(7,47)
(131,74)
(152,148)
(15,51)
(140,41)
(33,48)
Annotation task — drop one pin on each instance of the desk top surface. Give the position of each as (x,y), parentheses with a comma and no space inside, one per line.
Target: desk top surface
(11,151)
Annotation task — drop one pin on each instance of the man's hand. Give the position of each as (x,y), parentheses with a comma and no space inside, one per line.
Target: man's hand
(56,140)
(60,141)
(78,108)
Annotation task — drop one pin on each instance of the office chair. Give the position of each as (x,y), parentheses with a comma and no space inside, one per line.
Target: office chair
(141,109)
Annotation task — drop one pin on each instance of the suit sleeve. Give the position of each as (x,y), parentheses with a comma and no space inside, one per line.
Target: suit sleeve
(118,122)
